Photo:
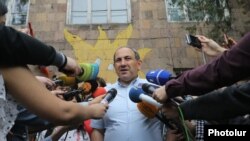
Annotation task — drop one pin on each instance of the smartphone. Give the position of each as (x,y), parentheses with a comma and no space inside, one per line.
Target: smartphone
(193,41)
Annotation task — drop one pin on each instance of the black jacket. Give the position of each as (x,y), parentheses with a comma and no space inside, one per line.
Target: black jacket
(17,48)
(217,105)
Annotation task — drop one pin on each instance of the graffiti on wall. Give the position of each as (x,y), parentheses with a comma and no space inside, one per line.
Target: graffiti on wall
(103,50)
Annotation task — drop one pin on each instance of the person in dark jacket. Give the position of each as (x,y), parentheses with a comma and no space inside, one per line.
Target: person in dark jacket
(217,105)
(230,67)
(227,69)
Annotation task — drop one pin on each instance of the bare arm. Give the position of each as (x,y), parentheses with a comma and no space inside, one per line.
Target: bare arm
(60,130)
(26,89)
(97,135)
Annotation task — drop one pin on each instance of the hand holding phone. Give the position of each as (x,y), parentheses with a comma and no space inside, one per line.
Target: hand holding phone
(193,41)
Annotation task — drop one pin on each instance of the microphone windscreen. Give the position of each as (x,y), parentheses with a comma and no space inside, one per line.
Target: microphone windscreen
(99,91)
(158,77)
(67,81)
(90,71)
(148,110)
(134,94)
(89,86)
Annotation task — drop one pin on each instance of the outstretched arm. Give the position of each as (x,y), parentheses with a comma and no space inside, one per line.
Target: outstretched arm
(36,98)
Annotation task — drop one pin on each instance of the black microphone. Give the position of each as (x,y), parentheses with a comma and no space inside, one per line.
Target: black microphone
(58,82)
(69,95)
(148,88)
(109,96)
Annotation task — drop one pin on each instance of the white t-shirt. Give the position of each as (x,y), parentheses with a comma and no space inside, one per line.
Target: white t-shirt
(73,135)
(8,111)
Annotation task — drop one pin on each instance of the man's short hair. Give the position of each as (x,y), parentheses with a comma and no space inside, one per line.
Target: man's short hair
(137,55)
(3,9)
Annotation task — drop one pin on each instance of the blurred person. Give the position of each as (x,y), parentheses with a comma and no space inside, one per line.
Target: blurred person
(18,50)
(220,104)
(3,11)
(217,105)
(123,121)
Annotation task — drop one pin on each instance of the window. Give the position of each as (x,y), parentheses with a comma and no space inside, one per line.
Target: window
(98,11)
(17,12)
(186,10)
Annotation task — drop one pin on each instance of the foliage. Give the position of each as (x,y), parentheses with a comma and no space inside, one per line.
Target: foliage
(208,12)
(24,1)
(213,13)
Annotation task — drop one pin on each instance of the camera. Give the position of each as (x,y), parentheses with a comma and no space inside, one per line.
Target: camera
(193,41)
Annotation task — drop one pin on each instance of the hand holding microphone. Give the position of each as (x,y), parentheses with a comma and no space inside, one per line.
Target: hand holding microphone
(138,95)
(88,71)
(82,71)
(147,105)
(109,96)
(159,94)
(98,95)
(70,67)
(104,102)
(159,77)
(97,110)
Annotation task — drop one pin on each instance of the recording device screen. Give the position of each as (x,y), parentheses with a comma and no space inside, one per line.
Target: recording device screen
(193,41)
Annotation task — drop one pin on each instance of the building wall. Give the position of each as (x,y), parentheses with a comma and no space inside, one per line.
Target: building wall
(161,43)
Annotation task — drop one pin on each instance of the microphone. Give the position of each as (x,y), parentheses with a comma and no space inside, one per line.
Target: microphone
(58,82)
(89,86)
(69,95)
(159,76)
(148,88)
(99,91)
(110,96)
(150,111)
(89,71)
(138,95)
(67,80)
(147,109)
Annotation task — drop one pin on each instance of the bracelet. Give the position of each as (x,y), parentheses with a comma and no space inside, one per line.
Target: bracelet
(64,63)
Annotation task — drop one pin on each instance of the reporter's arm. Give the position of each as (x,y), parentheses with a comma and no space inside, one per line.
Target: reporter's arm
(60,130)
(230,67)
(97,135)
(40,101)
(231,102)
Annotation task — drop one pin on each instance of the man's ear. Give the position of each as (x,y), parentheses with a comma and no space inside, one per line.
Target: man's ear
(139,64)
